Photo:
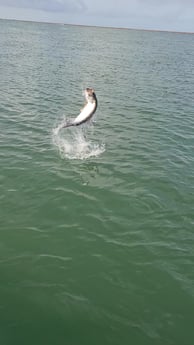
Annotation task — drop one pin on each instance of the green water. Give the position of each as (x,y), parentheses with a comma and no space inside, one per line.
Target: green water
(96,223)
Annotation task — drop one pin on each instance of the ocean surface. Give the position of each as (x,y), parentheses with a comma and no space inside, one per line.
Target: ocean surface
(97,221)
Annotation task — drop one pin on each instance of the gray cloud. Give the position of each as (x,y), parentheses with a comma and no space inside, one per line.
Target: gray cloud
(115,7)
(47,5)
(142,13)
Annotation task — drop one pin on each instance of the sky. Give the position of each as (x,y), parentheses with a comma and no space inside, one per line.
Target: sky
(171,15)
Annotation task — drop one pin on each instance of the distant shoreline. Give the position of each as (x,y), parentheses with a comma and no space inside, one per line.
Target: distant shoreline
(99,26)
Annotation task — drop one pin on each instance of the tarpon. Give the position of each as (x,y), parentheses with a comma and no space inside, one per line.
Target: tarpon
(87,112)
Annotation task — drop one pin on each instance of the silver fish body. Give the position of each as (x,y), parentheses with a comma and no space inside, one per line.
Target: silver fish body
(87,112)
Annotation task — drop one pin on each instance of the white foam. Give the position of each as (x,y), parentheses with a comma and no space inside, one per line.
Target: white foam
(72,143)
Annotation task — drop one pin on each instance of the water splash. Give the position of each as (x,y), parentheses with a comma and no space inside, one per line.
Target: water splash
(73,143)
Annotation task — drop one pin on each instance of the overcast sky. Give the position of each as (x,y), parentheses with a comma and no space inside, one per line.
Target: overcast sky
(176,15)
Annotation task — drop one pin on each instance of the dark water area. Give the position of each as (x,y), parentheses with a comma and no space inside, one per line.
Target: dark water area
(96,222)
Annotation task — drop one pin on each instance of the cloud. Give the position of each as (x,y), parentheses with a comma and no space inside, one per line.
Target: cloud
(176,15)
(166,2)
(141,13)
(47,5)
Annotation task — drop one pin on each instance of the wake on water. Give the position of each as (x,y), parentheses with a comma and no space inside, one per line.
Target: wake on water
(73,143)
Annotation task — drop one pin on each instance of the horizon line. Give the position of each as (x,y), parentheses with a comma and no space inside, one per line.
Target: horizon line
(99,26)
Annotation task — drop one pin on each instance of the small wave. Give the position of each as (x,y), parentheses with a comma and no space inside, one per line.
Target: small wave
(73,143)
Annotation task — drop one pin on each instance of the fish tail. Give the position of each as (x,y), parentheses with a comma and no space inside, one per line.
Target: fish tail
(67,125)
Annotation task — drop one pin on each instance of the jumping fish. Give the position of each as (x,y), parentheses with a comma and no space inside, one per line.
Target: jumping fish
(87,112)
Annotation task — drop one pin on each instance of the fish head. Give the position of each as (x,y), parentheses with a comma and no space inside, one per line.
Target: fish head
(90,95)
